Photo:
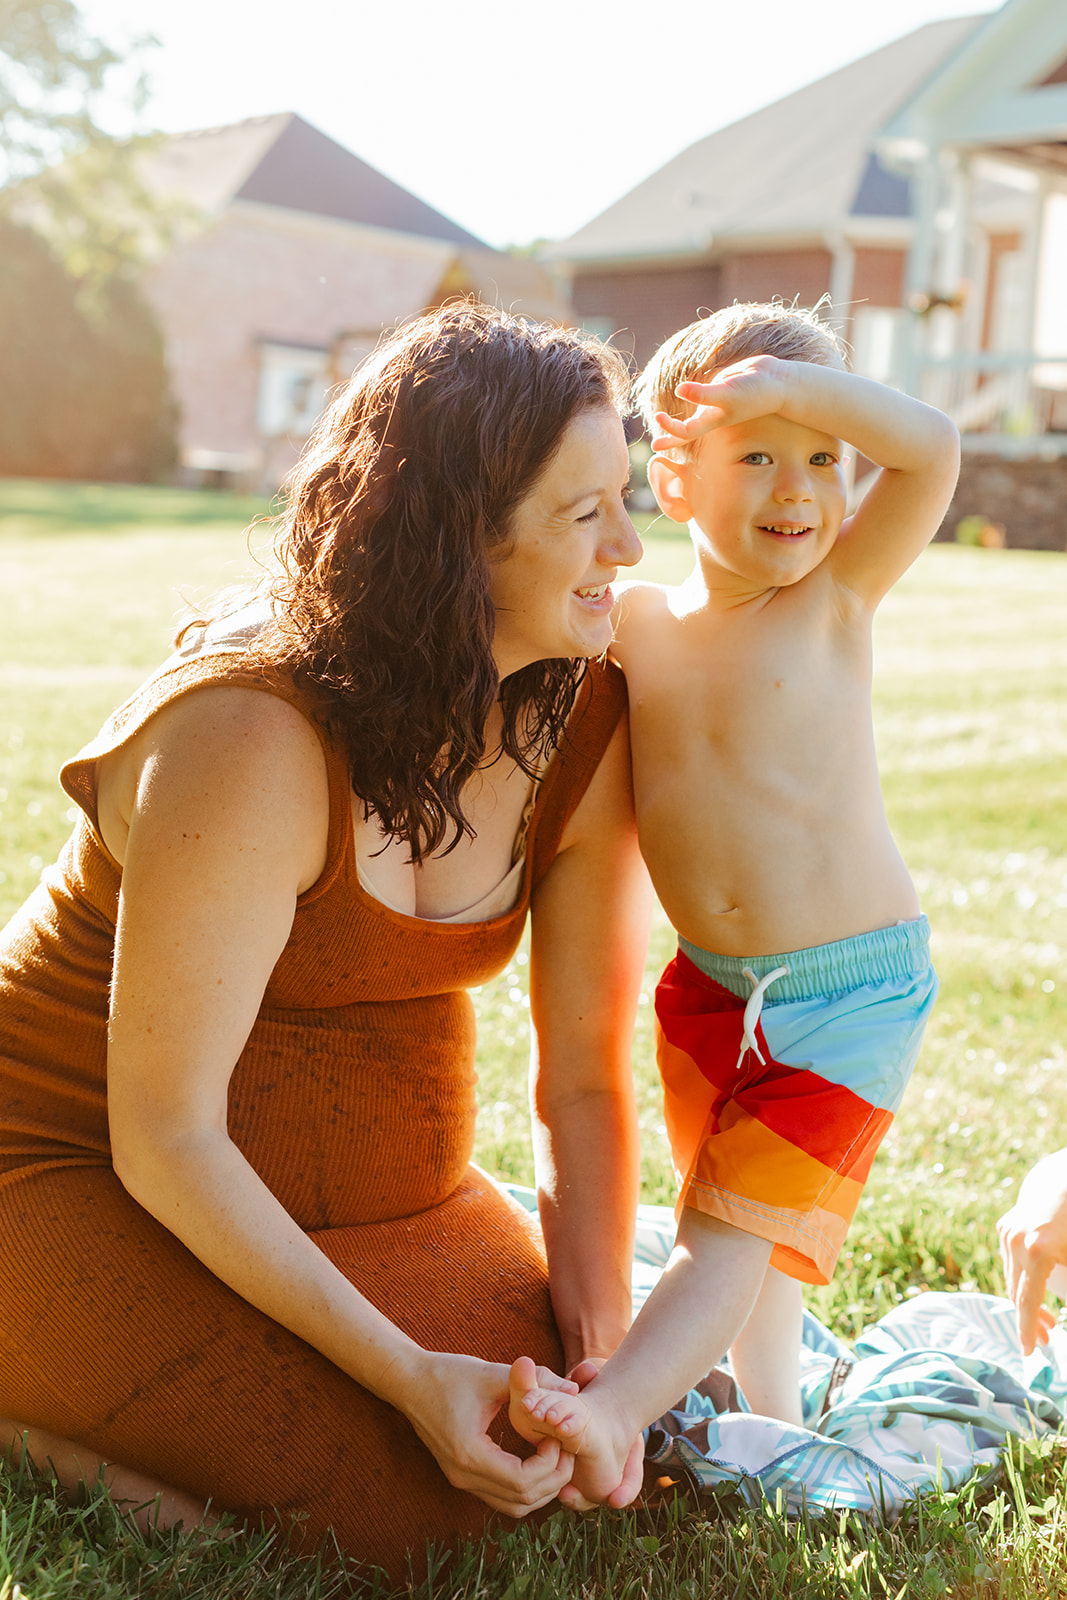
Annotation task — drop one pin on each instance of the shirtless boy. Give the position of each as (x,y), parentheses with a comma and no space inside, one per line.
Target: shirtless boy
(791,1017)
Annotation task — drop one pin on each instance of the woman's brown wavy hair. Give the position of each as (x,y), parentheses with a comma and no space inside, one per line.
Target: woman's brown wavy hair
(405,492)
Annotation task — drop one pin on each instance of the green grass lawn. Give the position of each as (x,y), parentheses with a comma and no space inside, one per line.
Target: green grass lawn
(970,697)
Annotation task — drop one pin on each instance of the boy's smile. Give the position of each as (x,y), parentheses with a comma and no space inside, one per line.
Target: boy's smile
(767,498)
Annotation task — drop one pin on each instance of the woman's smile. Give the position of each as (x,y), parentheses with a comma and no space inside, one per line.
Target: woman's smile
(551,584)
(598,597)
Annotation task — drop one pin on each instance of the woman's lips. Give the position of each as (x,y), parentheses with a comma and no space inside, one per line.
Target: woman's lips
(598,595)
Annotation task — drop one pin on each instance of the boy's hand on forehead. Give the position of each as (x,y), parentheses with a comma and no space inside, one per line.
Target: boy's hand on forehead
(752,388)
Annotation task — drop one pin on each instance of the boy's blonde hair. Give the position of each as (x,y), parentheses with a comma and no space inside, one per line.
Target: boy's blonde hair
(732,334)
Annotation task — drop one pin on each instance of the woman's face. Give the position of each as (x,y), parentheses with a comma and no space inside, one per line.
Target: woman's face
(550,585)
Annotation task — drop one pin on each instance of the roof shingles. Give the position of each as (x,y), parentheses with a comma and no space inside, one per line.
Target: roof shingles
(801,165)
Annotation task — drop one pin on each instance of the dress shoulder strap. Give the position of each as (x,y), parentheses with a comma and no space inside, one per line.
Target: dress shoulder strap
(600,704)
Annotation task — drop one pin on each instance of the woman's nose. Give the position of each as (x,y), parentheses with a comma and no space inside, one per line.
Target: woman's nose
(622,547)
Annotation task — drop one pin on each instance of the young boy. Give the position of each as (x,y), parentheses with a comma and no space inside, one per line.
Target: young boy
(791,1017)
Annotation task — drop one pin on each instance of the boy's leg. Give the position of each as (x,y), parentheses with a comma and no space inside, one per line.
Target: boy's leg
(693,1315)
(765,1355)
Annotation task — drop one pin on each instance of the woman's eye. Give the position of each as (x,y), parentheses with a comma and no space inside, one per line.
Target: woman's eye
(590,516)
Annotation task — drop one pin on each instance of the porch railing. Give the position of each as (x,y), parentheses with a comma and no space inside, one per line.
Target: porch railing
(1007,404)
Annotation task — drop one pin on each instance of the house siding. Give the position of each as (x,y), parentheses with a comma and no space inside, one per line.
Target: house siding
(646,305)
(253,278)
(878,277)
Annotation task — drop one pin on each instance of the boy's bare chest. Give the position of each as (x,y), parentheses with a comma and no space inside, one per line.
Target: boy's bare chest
(767,688)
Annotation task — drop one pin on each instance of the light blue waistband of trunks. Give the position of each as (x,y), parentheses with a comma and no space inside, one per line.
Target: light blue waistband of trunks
(886,955)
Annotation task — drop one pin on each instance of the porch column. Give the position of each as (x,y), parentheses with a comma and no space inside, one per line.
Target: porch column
(918,278)
(954,229)
(842,275)
(1032,250)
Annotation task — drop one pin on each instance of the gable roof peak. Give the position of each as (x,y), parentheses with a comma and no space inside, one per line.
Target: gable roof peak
(282,160)
(800,166)
(1006,84)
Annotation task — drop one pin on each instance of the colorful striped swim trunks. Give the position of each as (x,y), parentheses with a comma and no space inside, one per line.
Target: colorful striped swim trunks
(782,1147)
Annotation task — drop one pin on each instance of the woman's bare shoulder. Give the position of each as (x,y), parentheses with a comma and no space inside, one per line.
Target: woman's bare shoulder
(251,755)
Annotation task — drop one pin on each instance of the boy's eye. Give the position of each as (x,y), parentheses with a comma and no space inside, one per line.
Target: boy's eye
(757,458)
(823,458)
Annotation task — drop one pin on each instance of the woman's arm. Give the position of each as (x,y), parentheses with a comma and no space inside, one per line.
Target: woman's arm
(221,809)
(589,940)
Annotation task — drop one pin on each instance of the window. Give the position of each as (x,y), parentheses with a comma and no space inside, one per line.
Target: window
(292,389)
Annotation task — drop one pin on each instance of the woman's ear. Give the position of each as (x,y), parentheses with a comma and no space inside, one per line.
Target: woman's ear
(666,479)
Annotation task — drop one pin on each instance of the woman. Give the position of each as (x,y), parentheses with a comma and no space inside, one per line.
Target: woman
(244,1257)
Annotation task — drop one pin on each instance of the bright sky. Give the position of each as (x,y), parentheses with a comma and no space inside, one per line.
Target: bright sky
(520,121)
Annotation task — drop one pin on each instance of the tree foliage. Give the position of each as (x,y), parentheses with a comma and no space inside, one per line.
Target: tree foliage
(84,389)
(51,70)
(86,393)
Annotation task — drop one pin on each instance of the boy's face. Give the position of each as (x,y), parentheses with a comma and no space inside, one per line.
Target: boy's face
(768,496)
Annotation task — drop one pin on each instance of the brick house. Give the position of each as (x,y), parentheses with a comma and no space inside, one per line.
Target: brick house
(791,201)
(291,256)
(923,190)
(984,145)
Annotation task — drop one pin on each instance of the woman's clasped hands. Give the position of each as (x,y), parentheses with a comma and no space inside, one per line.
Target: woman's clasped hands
(451,1401)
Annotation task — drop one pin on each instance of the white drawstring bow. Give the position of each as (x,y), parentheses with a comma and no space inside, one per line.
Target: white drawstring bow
(754,1009)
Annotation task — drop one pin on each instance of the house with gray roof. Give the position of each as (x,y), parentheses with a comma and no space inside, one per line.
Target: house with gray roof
(793,200)
(921,193)
(290,257)
(983,144)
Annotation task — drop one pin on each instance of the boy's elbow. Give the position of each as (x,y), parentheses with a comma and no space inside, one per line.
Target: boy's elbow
(943,438)
(936,462)
(134,1173)
(952,453)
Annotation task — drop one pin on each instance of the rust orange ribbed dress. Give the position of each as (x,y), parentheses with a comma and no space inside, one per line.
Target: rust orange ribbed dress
(353,1099)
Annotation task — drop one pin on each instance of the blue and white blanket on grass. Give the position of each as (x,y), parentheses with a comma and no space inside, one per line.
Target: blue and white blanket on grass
(927,1397)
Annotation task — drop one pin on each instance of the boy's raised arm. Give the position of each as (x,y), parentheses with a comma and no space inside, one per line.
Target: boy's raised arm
(915,446)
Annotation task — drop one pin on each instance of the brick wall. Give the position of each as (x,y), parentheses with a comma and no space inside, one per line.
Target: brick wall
(803,275)
(1029,499)
(645,306)
(253,277)
(878,277)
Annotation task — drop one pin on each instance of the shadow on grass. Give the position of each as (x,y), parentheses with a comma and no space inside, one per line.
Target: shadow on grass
(995,1539)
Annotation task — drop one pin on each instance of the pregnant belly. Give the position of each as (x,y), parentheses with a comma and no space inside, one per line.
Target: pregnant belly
(358,1113)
